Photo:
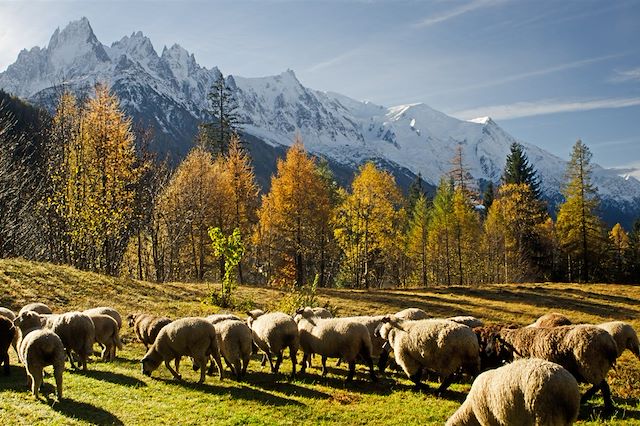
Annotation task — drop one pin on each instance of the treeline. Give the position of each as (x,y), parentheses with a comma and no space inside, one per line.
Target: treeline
(81,188)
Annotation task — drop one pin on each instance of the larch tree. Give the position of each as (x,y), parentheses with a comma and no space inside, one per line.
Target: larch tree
(619,242)
(579,229)
(293,215)
(226,121)
(418,239)
(441,234)
(368,226)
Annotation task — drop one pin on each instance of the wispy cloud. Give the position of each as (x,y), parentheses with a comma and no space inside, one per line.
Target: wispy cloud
(457,11)
(335,60)
(550,106)
(626,75)
(535,73)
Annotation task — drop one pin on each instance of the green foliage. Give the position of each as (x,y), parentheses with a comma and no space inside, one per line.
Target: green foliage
(231,249)
(226,121)
(300,297)
(517,170)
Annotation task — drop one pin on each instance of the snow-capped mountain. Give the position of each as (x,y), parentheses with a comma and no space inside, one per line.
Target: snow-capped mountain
(169,92)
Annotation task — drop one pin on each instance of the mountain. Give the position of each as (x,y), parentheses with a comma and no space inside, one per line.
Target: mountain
(169,93)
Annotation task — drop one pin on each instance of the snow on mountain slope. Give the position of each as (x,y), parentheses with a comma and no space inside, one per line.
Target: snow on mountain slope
(169,91)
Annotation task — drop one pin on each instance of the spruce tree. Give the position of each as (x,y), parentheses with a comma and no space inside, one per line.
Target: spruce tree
(518,170)
(226,122)
(488,196)
(415,192)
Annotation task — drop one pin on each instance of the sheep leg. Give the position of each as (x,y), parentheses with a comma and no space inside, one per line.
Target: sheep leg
(264,360)
(173,372)
(324,366)
(236,368)
(446,383)
(606,396)
(57,371)
(216,358)
(369,362)
(36,381)
(305,360)
(352,371)
(7,369)
(417,379)
(268,355)
(202,362)
(278,362)
(383,360)
(177,362)
(71,359)
(589,393)
(292,355)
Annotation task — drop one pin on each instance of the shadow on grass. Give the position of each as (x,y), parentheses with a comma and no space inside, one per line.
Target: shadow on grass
(16,381)
(111,377)
(240,391)
(86,412)
(594,411)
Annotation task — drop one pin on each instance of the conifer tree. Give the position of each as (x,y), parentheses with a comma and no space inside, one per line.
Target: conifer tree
(414,192)
(518,170)
(226,123)
(634,252)
(580,231)
(417,239)
(440,234)
(488,196)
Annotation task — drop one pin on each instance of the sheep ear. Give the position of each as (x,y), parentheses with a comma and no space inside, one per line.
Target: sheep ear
(386,318)
(299,311)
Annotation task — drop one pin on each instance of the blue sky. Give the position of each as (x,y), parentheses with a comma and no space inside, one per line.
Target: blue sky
(549,72)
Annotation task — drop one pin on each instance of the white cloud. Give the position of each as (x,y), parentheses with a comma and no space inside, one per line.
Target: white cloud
(457,11)
(626,75)
(333,61)
(550,106)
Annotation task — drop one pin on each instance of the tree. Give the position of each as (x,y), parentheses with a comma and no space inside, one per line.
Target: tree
(619,241)
(368,225)
(517,170)
(243,190)
(226,123)
(417,239)
(440,234)
(580,231)
(460,175)
(415,191)
(488,196)
(292,217)
(634,252)
(231,249)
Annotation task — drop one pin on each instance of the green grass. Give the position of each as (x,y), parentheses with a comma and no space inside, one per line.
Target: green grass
(117,393)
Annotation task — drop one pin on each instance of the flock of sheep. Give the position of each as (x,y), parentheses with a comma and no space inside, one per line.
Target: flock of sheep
(531,374)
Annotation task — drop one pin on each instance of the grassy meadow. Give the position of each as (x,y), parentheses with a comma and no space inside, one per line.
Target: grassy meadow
(117,393)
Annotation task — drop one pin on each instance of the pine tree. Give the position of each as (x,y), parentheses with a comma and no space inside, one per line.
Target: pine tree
(417,239)
(440,234)
(368,224)
(580,231)
(488,196)
(226,123)
(517,169)
(633,255)
(415,191)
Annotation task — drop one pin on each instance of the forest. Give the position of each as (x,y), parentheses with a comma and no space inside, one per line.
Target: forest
(83,187)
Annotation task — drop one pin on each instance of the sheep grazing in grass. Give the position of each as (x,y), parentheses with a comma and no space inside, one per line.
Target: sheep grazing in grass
(147,327)
(341,338)
(624,335)
(272,333)
(192,337)
(37,307)
(527,392)
(413,314)
(77,332)
(235,344)
(105,310)
(322,312)
(441,346)
(552,319)
(107,335)
(37,349)
(216,318)
(7,336)
(469,321)
(588,352)
(10,315)
(493,353)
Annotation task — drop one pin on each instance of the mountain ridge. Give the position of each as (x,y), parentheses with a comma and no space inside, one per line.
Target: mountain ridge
(169,92)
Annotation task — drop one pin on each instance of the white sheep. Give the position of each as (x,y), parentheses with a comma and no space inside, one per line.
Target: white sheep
(107,335)
(192,337)
(216,318)
(467,320)
(411,314)
(588,352)
(322,312)
(77,332)
(624,335)
(39,348)
(272,333)
(235,342)
(147,327)
(38,307)
(106,310)
(527,392)
(441,346)
(552,319)
(341,338)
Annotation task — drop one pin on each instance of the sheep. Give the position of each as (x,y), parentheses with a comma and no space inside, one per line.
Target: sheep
(441,346)
(624,335)
(39,348)
(235,342)
(343,338)
(412,314)
(38,307)
(588,352)
(105,310)
(147,327)
(77,332)
(493,353)
(322,312)
(193,337)
(7,336)
(272,333)
(469,321)
(107,335)
(526,392)
(10,315)
(552,319)
(216,318)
